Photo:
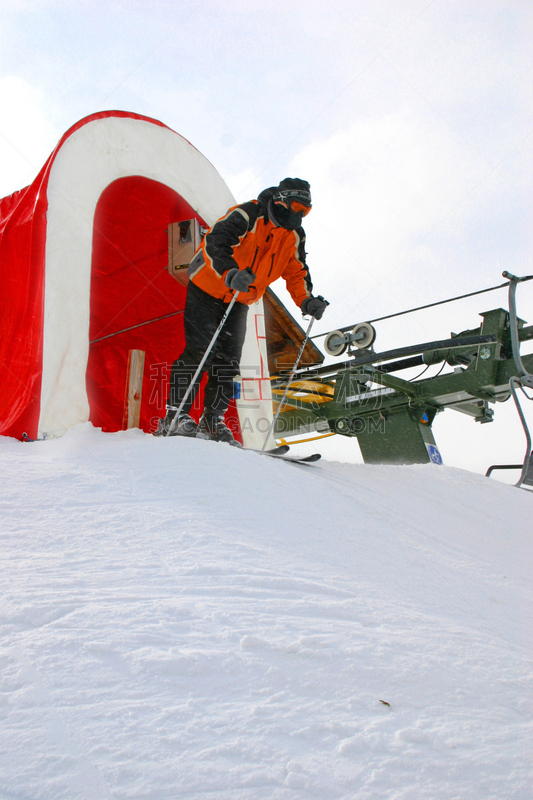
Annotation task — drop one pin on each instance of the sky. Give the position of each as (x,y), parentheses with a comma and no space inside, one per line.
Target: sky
(413,122)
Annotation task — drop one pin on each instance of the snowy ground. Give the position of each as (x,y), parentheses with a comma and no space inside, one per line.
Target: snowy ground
(183,620)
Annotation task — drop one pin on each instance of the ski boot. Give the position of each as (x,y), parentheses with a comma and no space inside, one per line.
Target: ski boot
(185,425)
(212,426)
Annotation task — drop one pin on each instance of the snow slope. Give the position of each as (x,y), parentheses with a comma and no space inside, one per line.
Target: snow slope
(183,620)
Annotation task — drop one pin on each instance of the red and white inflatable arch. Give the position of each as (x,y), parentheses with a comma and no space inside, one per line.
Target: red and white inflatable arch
(83,260)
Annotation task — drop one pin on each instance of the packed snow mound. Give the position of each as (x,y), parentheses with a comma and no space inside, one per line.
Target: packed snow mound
(184,619)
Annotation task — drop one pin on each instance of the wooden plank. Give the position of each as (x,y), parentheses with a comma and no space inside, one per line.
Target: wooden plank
(285,337)
(134,387)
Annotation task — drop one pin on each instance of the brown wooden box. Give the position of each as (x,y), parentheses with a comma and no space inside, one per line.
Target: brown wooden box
(184,238)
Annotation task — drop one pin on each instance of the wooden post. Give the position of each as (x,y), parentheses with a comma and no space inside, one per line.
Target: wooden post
(134,388)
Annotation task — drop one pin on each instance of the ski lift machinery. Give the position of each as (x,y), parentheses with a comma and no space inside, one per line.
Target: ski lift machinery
(392,417)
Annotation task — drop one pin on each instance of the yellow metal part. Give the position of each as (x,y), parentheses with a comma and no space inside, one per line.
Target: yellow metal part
(303,441)
(306,392)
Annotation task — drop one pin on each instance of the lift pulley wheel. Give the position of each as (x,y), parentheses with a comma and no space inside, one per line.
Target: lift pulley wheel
(335,343)
(362,336)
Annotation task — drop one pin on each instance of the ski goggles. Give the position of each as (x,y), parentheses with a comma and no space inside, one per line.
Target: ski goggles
(288,197)
(299,208)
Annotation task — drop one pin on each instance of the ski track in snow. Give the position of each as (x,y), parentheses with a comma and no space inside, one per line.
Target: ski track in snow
(182,619)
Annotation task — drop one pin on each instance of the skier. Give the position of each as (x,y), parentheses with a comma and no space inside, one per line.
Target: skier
(245,251)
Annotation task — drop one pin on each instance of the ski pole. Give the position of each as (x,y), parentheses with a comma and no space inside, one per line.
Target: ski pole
(201,364)
(302,348)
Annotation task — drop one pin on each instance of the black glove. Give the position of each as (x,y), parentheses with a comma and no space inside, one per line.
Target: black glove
(240,279)
(314,306)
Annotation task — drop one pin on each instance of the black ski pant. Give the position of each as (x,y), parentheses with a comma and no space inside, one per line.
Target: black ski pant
(202,317)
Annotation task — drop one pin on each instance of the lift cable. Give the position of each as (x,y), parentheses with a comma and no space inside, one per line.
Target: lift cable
(318,335)
(429,305)
(139,325)
(421,373)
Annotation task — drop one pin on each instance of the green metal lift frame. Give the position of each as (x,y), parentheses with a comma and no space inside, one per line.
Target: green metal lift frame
(392,417)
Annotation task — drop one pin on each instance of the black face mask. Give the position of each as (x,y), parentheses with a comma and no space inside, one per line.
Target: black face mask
(285,217)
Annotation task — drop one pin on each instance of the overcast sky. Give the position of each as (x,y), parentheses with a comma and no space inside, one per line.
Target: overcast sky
(413,122)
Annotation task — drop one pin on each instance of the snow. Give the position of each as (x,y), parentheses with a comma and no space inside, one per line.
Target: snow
(181,619)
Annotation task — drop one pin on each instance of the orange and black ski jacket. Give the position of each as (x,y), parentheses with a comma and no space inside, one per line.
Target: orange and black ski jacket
(246,236)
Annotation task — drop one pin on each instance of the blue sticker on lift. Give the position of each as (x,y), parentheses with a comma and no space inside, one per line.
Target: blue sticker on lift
(433,453)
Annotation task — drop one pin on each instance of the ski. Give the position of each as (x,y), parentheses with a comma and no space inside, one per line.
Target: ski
(275,451)
(293,459)
(279,452)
